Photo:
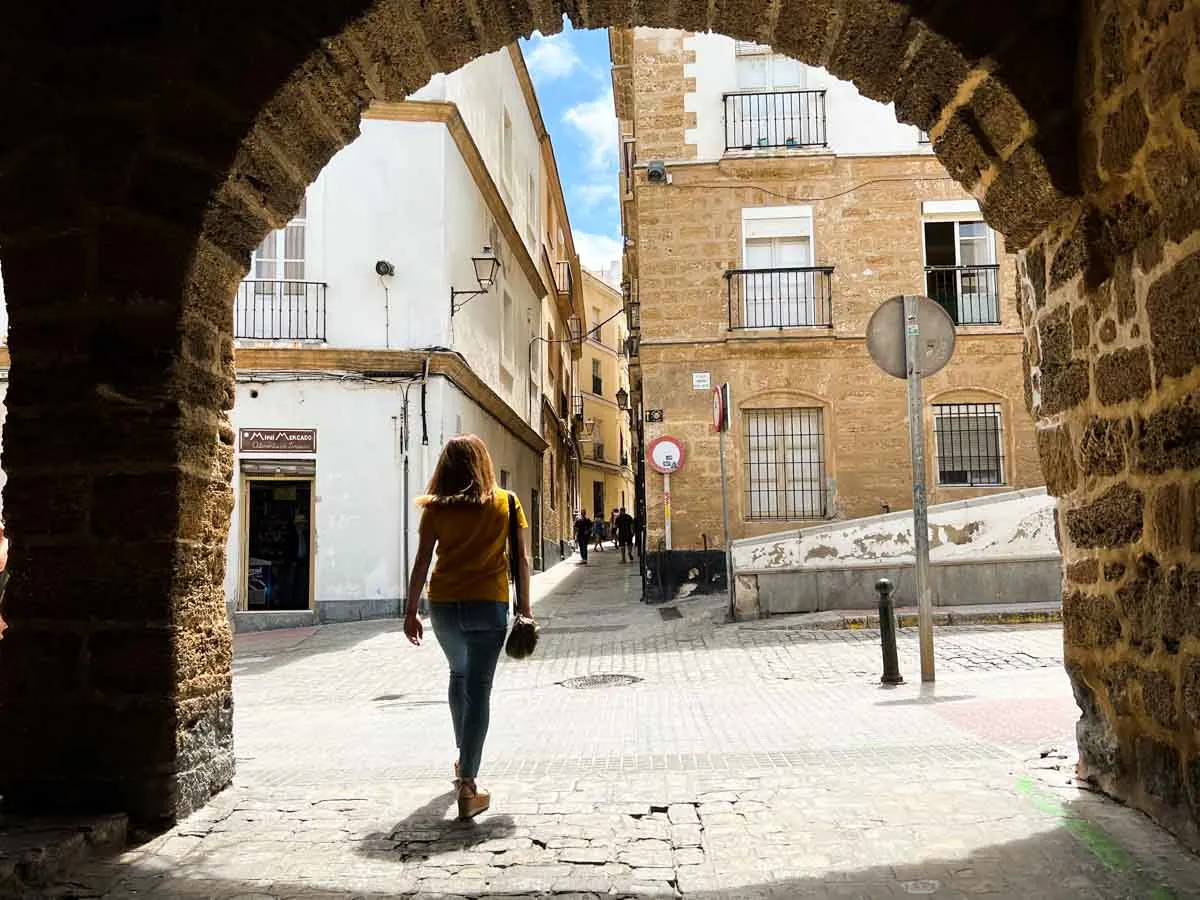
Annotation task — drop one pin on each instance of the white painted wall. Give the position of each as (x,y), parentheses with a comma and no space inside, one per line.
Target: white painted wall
(483,91)
(358,497)
(855,124)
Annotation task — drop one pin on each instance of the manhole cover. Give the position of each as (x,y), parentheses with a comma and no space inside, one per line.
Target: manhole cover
(599,681)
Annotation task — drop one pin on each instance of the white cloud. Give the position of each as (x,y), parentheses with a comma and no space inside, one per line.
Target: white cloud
(598,253)
(551,57)
(595,193)
(596,122)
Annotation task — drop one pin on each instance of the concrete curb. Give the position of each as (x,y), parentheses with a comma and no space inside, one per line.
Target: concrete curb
(850,620)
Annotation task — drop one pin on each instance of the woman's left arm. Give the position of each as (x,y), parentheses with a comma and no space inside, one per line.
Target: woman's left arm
(523,574)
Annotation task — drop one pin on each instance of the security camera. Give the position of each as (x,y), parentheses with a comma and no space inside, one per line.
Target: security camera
(383,267)
(657,173)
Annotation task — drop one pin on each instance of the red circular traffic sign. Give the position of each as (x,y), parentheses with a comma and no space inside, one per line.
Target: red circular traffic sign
(665,455)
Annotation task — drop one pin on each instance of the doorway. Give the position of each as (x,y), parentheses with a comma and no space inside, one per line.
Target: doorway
(598,501)
(278,573)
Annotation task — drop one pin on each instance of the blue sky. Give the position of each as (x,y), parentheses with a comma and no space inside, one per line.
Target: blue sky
(571,72)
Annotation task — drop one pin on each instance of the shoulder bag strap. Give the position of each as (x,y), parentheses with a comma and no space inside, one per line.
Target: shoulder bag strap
(514,546)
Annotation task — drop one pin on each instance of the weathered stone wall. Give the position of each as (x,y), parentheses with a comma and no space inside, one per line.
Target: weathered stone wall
(144,156)
(1110,298)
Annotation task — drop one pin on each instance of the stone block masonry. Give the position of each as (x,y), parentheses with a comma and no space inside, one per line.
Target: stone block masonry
(127,216)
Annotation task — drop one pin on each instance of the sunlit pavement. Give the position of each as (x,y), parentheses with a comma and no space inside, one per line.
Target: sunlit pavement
(752,760)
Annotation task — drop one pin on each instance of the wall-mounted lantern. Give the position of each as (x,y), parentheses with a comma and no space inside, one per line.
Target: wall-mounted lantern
(486,266)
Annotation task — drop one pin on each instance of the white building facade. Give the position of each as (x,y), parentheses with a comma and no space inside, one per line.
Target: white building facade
(356,362)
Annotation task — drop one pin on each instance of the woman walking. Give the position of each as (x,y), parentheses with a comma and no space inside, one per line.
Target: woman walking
(466,519)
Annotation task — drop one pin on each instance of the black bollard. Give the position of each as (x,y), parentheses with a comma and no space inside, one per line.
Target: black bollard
(887,633)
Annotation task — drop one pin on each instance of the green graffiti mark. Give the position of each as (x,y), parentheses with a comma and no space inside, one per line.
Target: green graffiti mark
(1094,838)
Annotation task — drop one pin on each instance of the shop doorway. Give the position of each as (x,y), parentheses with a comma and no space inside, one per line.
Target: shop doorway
(278,574)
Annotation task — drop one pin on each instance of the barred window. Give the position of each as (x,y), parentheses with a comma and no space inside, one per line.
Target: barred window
(969,446)
(785,464)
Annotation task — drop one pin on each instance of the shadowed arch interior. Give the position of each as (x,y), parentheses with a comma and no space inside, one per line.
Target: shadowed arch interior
(150,149)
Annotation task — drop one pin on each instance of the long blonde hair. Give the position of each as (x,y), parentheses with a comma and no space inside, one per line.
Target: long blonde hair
(464,475)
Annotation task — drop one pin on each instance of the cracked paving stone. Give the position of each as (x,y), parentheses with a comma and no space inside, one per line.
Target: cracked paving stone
(683,814)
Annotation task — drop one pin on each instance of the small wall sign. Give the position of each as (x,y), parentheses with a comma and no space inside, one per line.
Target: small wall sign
(277,440)
(701,381)
(654,415)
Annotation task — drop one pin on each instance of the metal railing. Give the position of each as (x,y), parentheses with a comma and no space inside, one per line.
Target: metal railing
(562,276)
(280,311)
(790,119)
(780,298)
(969,293)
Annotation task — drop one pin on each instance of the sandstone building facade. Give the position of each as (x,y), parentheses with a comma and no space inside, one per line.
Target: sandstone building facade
(606,470)
(768,210)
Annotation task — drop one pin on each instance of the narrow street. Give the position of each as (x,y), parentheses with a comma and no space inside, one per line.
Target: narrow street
(650,751)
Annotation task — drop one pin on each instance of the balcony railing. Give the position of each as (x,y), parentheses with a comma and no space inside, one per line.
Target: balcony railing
(280,311)
(790,119)
(780,298)
(969,293)
(562,276)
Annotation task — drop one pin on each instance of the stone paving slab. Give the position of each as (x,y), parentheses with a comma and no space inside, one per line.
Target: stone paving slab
(740,762)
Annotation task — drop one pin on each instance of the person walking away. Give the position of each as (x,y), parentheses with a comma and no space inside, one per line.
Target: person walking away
(465,518)
(612,527)
(638,525)
(598,531)
(583,534)
(623,528)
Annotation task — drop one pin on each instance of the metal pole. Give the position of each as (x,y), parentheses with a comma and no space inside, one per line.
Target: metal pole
(887,633)
(916,436)
(667,508)
(725,525)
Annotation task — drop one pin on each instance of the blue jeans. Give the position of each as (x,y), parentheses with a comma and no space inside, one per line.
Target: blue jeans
(471,634)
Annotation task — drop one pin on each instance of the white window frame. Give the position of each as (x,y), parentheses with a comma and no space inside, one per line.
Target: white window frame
(959,213)
(802,216)
(995,411)
(507,318)
(749,49)
(507,163)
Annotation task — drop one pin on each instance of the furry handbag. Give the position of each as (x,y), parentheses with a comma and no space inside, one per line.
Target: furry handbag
(523,639)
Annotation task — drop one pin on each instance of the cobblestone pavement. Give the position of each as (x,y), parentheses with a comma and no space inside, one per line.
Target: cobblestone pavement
(751,760)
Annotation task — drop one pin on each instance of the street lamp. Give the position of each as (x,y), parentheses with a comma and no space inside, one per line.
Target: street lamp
(486,266)
(623,400)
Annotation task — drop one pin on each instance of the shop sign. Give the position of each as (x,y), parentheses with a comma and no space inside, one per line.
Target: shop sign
(278,440)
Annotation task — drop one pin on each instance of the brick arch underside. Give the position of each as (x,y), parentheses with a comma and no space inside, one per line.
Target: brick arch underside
(159,150)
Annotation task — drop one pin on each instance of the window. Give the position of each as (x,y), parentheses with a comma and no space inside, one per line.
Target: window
(598,329)
(597,379)
(506,158)
(778,285)
(785,464)
(968,443)
(531,229)
(760,69)
(504,479)
(506,337)
(961,272)
(280,257)
(771,106)
(553,490)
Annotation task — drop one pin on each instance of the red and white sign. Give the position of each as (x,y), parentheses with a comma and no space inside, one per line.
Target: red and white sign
(665,455)
(721,407)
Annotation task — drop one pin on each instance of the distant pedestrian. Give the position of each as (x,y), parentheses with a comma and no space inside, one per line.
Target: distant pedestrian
(638,526)
(598,532)
(624,532)
(583,534)
(612,527)
(466,518)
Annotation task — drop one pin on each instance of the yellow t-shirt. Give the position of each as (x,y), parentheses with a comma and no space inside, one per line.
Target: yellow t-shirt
(472,549)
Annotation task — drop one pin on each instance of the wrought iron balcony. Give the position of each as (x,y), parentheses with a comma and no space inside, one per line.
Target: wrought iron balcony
(780,298)
(562,276)
(788,119)
(969,293)
(280,311)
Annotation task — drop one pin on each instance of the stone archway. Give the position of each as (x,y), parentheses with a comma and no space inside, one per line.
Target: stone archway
(154,151)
